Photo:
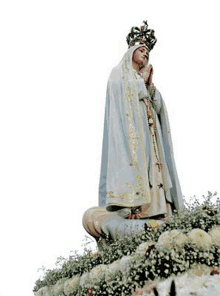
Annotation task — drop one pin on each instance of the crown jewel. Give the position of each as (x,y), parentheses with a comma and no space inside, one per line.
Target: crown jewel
(142,35)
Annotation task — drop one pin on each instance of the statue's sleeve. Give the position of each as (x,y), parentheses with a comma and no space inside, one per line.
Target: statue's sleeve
(156,101)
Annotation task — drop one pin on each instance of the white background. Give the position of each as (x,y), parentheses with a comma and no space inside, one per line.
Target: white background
(55,59)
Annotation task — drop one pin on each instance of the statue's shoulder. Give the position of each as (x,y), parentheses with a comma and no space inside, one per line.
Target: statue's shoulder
(115,76)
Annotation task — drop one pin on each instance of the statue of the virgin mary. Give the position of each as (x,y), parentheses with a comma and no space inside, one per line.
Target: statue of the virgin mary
(138,177)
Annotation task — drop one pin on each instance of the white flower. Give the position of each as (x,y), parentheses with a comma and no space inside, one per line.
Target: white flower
(85,280)
(59,287)
(199,269)
(215,235)
(124,262)
(218,217)
(49,291)
(111,270)
(200,238)
(170,239)
(98,273)
(41,291)
(71,285)
(142,248)
(189,283)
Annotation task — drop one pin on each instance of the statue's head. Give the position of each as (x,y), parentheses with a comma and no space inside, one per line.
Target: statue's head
(140,56)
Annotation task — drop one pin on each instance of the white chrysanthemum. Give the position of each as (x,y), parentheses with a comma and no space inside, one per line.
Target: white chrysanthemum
(124,262)
(198,269)
(85,280)
(188,284)
(111,270)
(191,282)
(200,238)
(47,291)
(71,285)
(59,287)
(41,291)
(218,217)
(163,241)
(170,239)
(98,273)
(215,235)
(142,248)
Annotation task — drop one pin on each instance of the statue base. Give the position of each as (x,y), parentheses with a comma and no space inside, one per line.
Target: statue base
(102,224)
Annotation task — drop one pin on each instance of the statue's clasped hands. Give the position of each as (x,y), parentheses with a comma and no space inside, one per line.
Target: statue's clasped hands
(147,74)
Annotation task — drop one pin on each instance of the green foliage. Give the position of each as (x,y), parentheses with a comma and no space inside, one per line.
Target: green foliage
(154,264)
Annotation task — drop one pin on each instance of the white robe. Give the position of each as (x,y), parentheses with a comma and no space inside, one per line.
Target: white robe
(129,174)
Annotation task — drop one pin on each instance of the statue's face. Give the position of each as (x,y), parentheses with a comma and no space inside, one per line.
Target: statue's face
(140,56)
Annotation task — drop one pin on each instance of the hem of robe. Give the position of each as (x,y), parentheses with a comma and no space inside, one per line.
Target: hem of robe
(115,206)
(167,212)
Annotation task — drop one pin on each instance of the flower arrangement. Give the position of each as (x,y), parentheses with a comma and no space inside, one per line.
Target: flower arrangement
(171,239)
(187,239)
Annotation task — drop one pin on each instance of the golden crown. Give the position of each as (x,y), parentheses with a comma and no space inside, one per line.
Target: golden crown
(142,35)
